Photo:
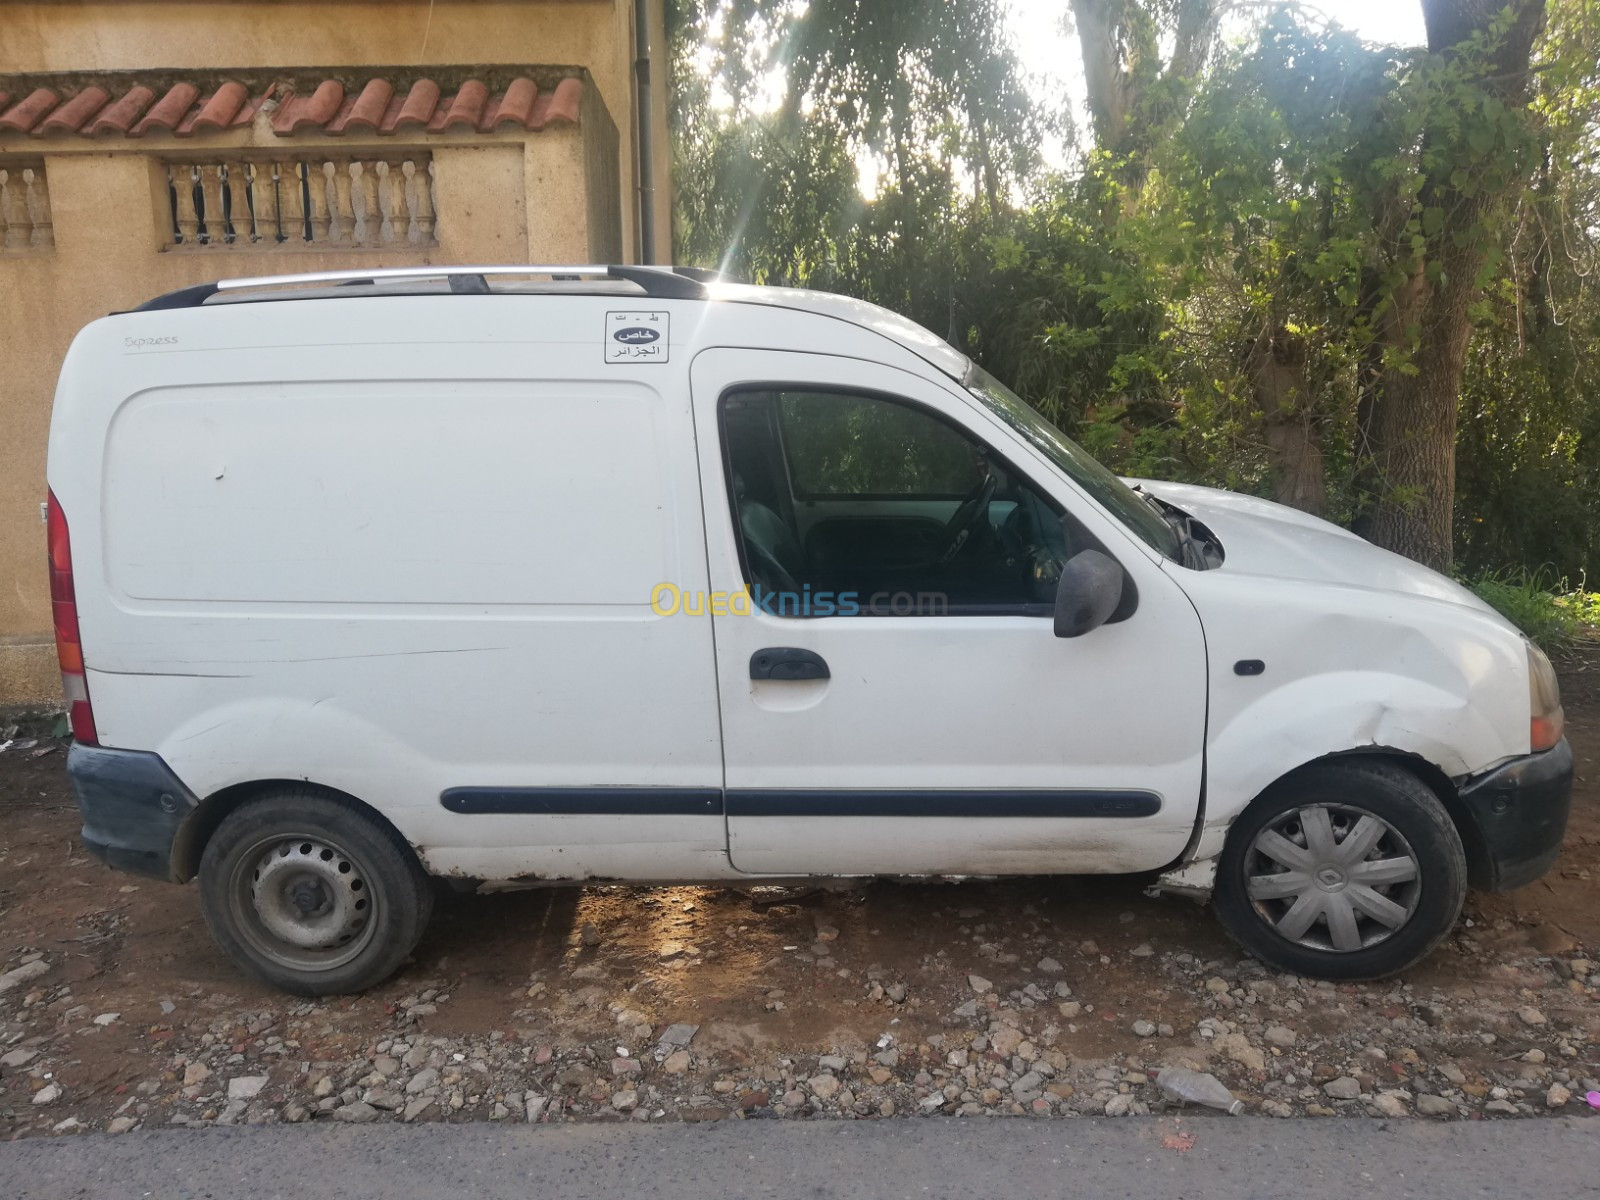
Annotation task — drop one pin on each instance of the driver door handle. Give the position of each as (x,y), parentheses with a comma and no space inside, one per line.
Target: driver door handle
(787,662)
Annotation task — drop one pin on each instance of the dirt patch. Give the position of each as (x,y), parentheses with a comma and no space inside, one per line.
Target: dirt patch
(1037,996)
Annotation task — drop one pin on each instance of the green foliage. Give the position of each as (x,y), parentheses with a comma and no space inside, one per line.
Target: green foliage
(763,200)
(1237,273)
(1541,604)
(844,445)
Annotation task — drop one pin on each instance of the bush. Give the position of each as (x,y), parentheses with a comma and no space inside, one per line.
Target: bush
(1546,608)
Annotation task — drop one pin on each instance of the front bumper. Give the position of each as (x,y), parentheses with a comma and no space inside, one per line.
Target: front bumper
(1514,817)
(132,806)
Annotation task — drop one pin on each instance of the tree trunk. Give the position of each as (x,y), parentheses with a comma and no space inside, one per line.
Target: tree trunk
(1412,427)
(1106,82)
(1413,436)
(991,176)
(1276,364)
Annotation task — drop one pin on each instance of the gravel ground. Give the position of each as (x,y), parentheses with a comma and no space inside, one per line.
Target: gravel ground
(1030,998)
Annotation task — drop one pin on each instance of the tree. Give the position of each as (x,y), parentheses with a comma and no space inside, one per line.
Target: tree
(1133,97)
(1475,153)
(1269,174)
(1137,102)
(900,78)
(1284,265)
(1129,89)
(1528,447)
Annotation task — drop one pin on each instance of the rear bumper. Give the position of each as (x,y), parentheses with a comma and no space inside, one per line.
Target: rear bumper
(1515,817)
(132,806)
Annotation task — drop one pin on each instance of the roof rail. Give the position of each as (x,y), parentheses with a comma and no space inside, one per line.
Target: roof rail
(667,283)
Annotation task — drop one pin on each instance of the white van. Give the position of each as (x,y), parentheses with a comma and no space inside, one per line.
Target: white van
(517,575)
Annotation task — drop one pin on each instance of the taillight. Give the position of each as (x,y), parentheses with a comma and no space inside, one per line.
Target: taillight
(69,648)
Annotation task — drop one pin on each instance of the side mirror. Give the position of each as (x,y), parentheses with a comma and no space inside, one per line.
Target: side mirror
(1088,593)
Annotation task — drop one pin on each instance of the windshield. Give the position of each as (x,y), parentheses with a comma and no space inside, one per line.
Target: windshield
(1115,496)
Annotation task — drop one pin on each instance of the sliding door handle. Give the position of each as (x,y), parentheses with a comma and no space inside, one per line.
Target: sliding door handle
(787,662)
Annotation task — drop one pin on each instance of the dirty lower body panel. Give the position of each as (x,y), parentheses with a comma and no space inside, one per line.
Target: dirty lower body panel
(132,806)
(1514,818)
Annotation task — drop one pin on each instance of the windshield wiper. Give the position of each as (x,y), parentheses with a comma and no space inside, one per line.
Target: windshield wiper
(1183,541)
(1190,550)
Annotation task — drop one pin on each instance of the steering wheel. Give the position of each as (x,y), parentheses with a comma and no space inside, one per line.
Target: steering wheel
(966,517)
(768,570)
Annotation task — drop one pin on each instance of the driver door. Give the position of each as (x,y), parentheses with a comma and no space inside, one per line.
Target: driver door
(895,701)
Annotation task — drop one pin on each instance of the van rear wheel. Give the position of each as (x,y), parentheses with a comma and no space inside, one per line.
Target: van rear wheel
(312,894)
(1346,870)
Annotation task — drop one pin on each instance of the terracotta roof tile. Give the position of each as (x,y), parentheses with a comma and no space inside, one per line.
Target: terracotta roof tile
(515,105)
(561,104)
(77,111)
(320,106)
(418,108)
(466,107)
(317,109)
(27,112)
(366,110)
(223,106)
(119,116)
(168,112)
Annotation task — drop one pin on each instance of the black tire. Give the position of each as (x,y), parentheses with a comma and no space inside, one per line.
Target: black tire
(1419,828)
(297,863)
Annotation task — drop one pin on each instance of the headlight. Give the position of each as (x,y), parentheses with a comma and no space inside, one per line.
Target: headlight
(1544,696)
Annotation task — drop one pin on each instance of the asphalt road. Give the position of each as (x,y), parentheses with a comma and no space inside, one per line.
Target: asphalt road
(1233,1158)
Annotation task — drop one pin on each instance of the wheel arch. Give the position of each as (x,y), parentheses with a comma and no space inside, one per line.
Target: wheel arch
(203,821)
(1193,873)
(1430,774)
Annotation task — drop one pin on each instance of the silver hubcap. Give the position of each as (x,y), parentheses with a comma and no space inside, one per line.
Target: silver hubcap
(304,902)
(1333,877)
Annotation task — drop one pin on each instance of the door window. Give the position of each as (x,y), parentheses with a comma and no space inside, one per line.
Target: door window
(850,503)
(840,445)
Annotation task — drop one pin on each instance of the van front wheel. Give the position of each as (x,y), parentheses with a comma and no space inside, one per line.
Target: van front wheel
(311,894)
(1346,870)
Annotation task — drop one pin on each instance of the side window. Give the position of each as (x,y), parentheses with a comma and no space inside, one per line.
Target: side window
(841,445)
(850,503)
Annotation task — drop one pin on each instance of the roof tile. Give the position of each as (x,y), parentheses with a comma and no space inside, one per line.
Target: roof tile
(76,112)
(368,109)
(119,116)
(317,109)
(169,111)
(183,109)
(515,105)
(418,108)
(563,104)
(223,106)
(26,113)
(466,107)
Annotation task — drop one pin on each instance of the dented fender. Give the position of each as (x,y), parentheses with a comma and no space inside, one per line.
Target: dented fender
(1340,713)
(1393,662)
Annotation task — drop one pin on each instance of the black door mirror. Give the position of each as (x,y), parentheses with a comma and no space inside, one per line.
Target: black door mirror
(1089,591)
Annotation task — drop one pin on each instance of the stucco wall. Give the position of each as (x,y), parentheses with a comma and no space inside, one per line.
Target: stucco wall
(103,35)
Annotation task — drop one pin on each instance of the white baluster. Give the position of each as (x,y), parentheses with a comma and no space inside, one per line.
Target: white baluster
(38,205)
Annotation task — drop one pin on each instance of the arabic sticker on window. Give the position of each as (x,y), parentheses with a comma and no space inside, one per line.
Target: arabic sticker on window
(636,337)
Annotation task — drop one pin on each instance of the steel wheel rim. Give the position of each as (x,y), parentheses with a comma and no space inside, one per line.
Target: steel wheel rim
(1332,877)
(303,902)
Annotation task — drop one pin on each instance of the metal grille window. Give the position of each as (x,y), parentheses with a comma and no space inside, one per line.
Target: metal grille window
(24,207)
(310,201)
